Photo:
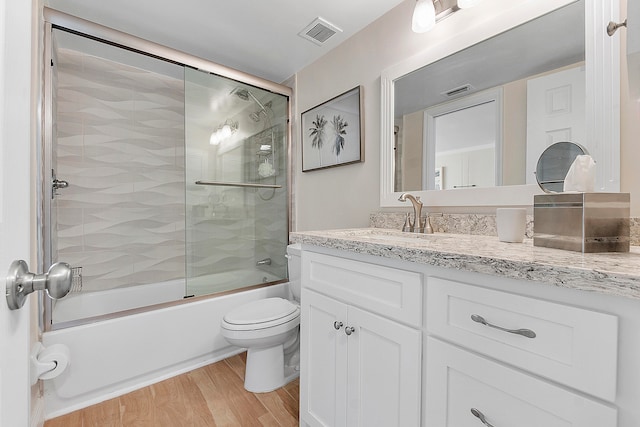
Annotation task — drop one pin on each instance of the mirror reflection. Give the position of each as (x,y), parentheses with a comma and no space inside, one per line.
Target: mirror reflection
(554,163)
(482,116)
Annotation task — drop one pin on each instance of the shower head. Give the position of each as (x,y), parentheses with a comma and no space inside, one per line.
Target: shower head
(245,95)
(241,93)
(255,116)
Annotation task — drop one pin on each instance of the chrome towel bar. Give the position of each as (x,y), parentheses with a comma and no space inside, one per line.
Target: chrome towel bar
(237,184)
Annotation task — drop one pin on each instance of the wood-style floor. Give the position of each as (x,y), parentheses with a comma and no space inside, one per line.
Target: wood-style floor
(210,396)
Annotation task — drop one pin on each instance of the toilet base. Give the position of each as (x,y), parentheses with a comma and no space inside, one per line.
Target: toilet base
(265,370)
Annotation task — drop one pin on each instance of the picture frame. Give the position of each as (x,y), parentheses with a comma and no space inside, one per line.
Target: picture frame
(332,132)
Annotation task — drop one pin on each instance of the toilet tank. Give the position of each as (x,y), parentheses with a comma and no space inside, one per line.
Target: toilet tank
(294,263)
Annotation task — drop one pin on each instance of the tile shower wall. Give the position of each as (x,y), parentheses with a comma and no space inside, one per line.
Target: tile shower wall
(120,145)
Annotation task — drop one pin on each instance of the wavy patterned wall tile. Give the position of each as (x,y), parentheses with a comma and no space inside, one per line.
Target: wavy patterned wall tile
(120,144)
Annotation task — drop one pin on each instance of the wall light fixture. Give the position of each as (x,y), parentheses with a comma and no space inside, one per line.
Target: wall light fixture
(223,132)
(427,12)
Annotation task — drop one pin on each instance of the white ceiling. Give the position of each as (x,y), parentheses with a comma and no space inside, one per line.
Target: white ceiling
(257,37)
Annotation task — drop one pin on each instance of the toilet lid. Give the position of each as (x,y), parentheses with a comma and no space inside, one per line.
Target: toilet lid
(260,311)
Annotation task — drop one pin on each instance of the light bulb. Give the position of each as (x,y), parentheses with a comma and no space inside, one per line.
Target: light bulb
(215,138)
(225,132)
(424,16)
(465,4)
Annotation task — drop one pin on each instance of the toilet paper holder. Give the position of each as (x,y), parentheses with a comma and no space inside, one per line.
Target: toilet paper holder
(48,362)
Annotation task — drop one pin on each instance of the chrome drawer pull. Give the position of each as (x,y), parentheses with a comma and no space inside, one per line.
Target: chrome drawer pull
(481,417)
(524,332)
(349,330)
(337,325)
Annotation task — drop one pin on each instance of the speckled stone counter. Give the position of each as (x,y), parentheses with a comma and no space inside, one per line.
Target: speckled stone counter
(608,273)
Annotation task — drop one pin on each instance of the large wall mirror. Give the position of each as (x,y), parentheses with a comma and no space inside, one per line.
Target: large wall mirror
(464,123)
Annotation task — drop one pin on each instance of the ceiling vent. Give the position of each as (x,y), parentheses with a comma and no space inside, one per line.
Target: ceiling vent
(458,90)
(319,31)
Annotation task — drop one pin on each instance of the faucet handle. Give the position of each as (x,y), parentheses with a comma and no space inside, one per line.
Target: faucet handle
(426,225)
(426,222)
(407,223)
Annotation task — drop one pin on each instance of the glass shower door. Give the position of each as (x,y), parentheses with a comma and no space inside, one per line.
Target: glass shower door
(118,143)
(236,184)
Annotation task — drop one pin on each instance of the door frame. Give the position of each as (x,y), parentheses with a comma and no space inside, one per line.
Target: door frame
(18,92)
(494,95)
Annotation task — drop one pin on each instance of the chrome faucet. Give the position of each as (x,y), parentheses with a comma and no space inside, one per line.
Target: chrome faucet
(419,224)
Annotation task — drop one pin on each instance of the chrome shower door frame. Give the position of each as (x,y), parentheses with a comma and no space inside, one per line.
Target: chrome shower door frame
(54,19)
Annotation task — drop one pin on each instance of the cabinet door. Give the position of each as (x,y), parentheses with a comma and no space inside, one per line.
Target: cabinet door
(384,378)
(323,361)
(461,383)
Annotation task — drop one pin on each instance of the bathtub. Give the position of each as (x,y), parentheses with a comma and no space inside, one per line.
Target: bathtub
(115,356)
(84,305)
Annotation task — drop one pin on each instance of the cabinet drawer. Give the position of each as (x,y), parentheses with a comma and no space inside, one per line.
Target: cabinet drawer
(393,293)
(572,346)
(460,380)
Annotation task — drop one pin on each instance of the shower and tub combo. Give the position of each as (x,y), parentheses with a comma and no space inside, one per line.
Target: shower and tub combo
(165,183)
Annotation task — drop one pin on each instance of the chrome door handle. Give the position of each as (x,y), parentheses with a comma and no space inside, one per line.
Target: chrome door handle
(524,332)
(349,330)
(58,183)
(479,415)
(20,283)
(337,325)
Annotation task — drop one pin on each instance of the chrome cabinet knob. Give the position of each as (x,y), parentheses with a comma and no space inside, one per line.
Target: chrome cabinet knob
(349,330)
(20,282)
(337,325)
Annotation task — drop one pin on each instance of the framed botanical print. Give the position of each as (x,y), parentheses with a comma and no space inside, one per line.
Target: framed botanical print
(332,132)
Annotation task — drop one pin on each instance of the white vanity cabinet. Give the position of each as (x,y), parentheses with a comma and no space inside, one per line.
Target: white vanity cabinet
(521,336)
(569,345)
(360,356)
(463,389)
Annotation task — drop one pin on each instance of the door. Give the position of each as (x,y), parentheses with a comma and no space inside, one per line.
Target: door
(15,142)
(384,372)
(555,112)
(323,361)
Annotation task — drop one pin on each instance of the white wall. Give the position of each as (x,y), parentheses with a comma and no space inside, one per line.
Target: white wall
(345,196)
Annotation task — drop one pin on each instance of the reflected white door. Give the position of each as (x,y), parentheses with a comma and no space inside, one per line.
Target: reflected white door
(555,113)
(15,236)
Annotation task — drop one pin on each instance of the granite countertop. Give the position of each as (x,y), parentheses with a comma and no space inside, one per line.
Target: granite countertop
(613,273)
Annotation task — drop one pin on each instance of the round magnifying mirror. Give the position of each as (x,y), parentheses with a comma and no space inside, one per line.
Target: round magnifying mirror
(554,163)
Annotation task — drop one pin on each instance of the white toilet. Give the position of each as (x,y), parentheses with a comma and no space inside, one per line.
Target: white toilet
(269,330)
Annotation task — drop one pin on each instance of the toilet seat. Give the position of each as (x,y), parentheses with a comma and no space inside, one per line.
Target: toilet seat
(261,314)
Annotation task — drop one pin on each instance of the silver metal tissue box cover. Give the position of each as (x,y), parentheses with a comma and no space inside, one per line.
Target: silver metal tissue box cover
(582,222)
